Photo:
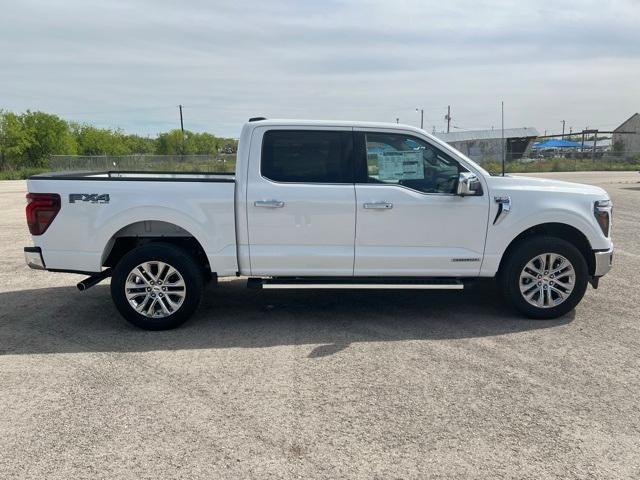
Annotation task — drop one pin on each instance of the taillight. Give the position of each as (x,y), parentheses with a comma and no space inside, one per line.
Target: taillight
(42,208)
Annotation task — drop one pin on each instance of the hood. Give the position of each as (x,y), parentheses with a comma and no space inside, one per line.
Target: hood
(545,185)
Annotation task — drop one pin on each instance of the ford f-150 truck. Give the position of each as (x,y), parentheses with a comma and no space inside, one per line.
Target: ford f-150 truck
(321,204)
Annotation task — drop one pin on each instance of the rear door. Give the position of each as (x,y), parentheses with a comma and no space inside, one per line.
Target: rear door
(301,201)
(410,222)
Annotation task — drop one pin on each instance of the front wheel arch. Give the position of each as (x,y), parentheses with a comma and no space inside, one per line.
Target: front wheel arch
(557,230)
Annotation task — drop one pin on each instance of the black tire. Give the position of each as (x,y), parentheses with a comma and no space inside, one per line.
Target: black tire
(509,277)
(177,258)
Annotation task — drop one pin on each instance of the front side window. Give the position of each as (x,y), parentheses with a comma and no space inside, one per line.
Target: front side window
(399,159)
(307,156)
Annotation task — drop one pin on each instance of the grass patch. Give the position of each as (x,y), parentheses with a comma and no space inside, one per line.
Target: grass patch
(561,165)
(21,173)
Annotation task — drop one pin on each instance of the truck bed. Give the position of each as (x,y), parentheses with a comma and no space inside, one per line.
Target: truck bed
(98,207)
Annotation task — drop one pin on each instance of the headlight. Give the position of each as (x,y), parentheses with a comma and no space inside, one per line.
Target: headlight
(602,210)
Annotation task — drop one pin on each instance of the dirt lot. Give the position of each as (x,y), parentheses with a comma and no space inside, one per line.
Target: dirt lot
(319,384)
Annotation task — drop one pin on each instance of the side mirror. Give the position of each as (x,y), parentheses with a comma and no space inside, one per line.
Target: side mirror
(468,184)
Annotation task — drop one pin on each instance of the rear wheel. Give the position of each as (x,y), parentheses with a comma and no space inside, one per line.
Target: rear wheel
(544,277)
(157,286)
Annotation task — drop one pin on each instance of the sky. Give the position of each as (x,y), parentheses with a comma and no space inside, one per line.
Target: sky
(128,64)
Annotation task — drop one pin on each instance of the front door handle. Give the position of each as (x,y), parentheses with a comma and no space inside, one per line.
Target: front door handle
(378,205)
(269,203)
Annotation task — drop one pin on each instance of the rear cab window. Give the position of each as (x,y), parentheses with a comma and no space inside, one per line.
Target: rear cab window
(307,156)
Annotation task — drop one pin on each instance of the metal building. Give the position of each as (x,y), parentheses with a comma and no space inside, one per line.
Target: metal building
(628,143)
(486,145)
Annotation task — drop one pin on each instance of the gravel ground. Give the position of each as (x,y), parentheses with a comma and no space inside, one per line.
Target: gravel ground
(306,384)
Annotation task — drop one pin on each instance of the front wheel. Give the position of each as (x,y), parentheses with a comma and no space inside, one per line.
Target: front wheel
(544,277)
(156,286)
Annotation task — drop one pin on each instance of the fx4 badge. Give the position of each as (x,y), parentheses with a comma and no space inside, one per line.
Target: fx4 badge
(89,197)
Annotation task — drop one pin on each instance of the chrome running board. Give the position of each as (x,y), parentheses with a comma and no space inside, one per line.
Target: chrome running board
(354,284)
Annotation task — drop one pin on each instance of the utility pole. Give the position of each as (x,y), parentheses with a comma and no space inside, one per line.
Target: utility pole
(448,117)
(502,137)
(563,129)
(421,110)
(182,129)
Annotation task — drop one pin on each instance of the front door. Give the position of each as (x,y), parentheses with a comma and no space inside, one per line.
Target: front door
(301,202)
(410,222)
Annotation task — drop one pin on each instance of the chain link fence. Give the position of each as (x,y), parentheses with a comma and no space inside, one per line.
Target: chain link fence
(221,163)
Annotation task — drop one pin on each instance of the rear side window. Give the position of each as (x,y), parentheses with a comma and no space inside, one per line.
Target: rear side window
(307,156)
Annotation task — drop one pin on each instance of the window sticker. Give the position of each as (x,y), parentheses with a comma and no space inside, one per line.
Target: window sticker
(400,165)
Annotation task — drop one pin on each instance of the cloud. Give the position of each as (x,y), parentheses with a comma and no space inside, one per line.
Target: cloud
(129,63)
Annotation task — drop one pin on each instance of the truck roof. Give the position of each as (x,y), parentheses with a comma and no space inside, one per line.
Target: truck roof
(331,123)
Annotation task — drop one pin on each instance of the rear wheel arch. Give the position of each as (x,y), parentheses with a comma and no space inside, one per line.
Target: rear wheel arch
(145,232)
(559,230)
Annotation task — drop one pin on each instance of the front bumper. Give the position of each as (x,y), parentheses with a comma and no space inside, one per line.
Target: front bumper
(33,257)
(604,262)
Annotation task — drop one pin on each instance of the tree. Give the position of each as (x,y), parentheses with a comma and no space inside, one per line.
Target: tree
(27,140)
(14,140)
(100,141)
(174,142)
(204,143)
(49,135)
(137,144)
(228,145)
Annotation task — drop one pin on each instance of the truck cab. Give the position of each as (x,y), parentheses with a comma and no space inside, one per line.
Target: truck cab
(332,200)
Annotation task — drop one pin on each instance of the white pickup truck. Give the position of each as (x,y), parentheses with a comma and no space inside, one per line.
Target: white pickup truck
(321,204)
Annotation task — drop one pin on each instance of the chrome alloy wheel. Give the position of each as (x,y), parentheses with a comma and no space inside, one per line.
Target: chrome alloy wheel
(547,280)
(155,289)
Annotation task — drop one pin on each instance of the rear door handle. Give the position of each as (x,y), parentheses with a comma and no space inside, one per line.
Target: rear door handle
(378,205)
(269,203)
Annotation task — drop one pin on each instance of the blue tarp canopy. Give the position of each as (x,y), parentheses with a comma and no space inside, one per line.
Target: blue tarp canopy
(557,144)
